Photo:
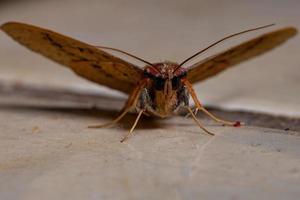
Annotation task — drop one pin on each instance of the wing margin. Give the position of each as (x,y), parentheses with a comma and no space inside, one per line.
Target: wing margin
(85,60)
(237,54)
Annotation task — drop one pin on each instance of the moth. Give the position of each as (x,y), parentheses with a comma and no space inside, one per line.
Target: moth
(157,89)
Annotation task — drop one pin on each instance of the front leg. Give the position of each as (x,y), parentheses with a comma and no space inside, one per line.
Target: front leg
(200,107)
(130,104)
(198,122)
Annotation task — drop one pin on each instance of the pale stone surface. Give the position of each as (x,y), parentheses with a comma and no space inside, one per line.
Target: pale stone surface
(46,151)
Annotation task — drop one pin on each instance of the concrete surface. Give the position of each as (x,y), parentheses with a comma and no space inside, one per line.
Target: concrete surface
(46,151)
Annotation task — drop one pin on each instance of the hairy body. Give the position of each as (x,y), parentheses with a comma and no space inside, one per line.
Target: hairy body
(164,92)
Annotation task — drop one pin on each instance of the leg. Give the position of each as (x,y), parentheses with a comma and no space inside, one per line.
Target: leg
(133,126)
(200,107)
(198,122)
(131,102)
(120,116)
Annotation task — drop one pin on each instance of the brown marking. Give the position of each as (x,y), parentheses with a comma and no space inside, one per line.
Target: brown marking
(257,46)
(77,55)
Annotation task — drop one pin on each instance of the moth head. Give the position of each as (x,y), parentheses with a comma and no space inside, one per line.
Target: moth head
(165,76)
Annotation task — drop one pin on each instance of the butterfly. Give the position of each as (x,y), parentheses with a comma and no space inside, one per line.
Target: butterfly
(157,89)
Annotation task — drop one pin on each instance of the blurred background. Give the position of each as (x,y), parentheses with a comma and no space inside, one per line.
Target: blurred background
(165,30)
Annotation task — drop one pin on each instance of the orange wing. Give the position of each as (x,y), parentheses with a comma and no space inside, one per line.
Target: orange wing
(85,60)
(215,64)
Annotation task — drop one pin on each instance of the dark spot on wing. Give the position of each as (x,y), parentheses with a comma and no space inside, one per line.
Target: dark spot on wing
(97,66)
(52,42)
(81,49)
(89,50)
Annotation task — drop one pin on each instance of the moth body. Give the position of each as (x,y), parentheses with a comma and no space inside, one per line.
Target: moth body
(164,92)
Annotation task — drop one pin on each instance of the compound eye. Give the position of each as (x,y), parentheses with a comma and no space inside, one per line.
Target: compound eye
(159,83)
(147,74)
(175,82)
(183,74)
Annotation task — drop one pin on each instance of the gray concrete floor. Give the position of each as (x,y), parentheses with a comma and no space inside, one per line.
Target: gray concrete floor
(46,151)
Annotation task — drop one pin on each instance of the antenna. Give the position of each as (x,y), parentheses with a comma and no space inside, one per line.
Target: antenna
(225,38)
(126,53)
